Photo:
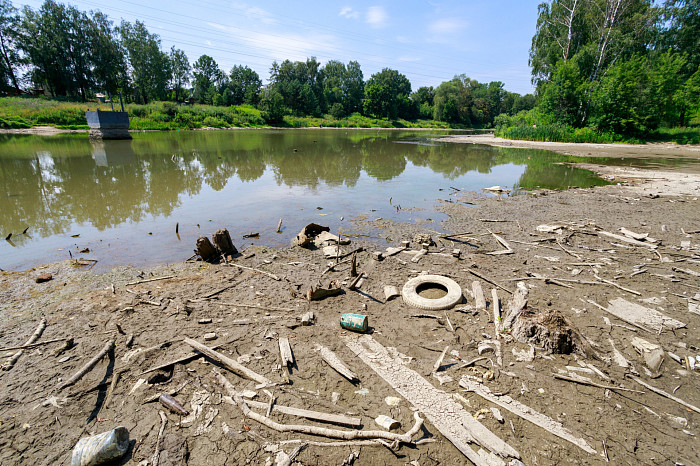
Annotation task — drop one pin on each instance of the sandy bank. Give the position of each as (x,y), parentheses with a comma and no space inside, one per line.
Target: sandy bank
(651,150)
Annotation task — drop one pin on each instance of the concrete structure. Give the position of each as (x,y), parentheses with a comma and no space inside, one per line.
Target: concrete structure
(108,125)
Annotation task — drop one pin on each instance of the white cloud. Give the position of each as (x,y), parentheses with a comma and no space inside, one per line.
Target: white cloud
(349,13)
(290,46)
(255,13)
(447,26)
(376,16)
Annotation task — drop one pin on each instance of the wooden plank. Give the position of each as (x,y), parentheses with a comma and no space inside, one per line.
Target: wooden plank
(641,316)
(627,240)
(449,417)
(479,300)
(313,415)
(658,391)
(496,311)
(228,363)
(527,413)
(335,362)
(286,352)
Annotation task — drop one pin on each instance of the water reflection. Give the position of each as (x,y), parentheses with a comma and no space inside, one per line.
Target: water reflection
(59,184)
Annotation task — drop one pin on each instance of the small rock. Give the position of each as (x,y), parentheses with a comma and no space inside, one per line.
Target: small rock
(64,359)
(44,277)
(209,336)
(204,321)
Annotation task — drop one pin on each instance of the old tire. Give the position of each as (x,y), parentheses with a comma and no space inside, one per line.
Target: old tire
(413,299)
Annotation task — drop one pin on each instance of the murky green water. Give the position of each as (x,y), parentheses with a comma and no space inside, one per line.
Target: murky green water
(124,198)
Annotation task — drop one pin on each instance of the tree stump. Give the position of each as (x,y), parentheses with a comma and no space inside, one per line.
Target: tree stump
(222,242)
(206,250)
(550,330)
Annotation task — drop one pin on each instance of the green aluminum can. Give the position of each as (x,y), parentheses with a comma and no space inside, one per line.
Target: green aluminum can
(354,322)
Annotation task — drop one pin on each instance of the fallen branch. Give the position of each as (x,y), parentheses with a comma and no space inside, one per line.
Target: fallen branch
(627,240)
(488,281)
(35,336)
(230,364)
(156,455)
(150,280)
(617,286)
(234,398)
(335,362)
(116,375)
(593,384)
(108,348)
(663,393)
(32,345)
(273,276)
(313,415)
(253,306)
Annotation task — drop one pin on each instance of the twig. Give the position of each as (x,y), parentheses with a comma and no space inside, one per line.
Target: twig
(273,276)
(163,421)
(35,336)
(230,364)
(356,280)
(438,363)
(108,348)
(150,280)
(343,256)
(116,375)
(593,384)
(569,252)
(663,393)
(449,324)
(32,345)
(617,286)
(253,306)
(279,227)
(488,281)
(234,398)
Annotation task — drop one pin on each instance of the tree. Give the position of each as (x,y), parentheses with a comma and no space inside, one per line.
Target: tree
(150,67)
(108,58)
(300,84)
(342,85)
(206,72)
(9,50)
(181,71)
(386,94)
(244,85)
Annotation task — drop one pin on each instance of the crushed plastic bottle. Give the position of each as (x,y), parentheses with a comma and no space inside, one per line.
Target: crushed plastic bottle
(101,448)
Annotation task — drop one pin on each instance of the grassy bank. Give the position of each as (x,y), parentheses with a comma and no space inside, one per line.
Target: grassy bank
(28,112)
(534,126)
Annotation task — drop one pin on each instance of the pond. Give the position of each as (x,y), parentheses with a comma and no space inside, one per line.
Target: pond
(122,200)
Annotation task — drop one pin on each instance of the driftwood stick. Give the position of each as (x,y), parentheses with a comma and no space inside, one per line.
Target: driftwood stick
(108,348)
(335,362)
(252,306)
(593,384)
(496,312)
(273,276)
(438,363)
(32,345)
(163,422)
(305,413)
(609,282)
(230,364)
(351,443)
(279,227)
(355,281)
(343,256)
(116,375)
(150,280)
(658,391)
(234,398)
(35,336)
(185,358)
(488,281)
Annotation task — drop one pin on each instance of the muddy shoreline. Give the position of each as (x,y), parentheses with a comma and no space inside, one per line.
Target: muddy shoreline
(249,311)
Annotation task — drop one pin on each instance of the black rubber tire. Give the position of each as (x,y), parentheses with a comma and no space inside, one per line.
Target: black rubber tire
(413,299)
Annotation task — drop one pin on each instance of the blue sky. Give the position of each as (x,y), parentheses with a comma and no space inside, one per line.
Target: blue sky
(428,41)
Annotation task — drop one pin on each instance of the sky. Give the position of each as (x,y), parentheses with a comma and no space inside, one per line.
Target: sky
(428,41)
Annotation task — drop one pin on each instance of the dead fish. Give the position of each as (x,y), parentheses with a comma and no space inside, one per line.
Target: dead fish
(7,238)
(172,404)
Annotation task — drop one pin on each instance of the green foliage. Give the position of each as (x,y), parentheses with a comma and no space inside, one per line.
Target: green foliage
(300,85)
(386,95)
(150,67)
(13,123)
(181,71)
(555,133)
(244,86)
(337,111)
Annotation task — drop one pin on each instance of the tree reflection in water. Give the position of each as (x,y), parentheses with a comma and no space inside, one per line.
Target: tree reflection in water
(55,184)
